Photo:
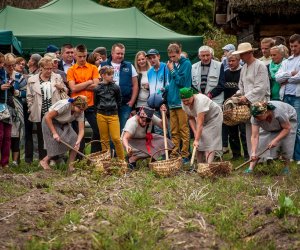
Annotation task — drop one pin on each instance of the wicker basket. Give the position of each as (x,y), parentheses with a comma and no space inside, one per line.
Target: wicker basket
(114,166)
(101,155)
(234,113)
(214,169)
(166,168)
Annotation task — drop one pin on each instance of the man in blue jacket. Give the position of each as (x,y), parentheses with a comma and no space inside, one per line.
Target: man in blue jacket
(125,76)
(179,77)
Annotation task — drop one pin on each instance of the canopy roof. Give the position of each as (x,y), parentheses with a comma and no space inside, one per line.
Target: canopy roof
(9,43)
(84,21)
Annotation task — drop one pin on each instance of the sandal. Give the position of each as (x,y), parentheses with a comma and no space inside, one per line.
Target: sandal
(248,171)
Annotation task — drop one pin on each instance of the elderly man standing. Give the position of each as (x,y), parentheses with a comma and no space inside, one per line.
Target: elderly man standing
(179,77)
(254,85)
(125,76)
(208,75)
(289,77)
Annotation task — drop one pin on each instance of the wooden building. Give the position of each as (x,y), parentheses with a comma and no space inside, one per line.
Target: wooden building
(253,20)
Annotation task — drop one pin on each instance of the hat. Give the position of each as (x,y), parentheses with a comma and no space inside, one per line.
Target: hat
(152,52)
(52,48)
(186,93)
(229,47)
(155,101)
(51,56)
(259,108)
(243,48)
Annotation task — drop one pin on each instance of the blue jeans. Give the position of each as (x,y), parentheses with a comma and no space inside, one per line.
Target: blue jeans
(295,102)
(124,113)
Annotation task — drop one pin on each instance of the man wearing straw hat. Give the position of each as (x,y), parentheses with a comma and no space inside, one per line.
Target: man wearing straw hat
(254,85)
(137,138)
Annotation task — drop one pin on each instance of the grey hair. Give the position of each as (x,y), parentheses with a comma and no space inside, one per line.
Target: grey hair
(237,56)
(283,50)
(36,58)
(206,48)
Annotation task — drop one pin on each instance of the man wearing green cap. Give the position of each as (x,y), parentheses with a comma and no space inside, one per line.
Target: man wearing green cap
(205,118)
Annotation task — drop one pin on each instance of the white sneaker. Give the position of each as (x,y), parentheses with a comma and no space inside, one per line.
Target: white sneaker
(52,163)
(298,162)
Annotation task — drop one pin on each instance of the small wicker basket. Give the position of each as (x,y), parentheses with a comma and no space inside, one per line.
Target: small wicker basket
(234,114)
(166,168)
(101,155)
(214,169)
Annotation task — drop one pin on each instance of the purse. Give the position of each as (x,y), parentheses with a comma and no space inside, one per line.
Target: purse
(4,112)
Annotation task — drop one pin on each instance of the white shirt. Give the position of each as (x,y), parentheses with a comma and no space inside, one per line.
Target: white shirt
(117,72)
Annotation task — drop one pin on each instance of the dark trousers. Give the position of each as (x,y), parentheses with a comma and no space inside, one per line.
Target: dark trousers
(28,125)
(90,116)
(237,134)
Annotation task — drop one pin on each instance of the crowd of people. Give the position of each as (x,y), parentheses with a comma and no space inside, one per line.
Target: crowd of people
(129,105)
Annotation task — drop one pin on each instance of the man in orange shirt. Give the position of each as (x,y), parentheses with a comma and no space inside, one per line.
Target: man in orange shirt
(82,78)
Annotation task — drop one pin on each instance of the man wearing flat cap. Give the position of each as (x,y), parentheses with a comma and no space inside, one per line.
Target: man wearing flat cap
(254,85)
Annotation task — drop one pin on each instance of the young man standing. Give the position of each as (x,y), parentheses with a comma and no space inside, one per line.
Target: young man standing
(265,45)
(125,76)
(67,57)
(289,77)
(83,78)
(179,77)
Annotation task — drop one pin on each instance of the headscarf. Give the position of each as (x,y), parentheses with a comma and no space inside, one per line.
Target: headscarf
(146,112)
(186,93)
(79,101)
(259,108)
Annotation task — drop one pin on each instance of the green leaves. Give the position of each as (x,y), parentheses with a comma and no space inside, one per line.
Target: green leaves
(286,207)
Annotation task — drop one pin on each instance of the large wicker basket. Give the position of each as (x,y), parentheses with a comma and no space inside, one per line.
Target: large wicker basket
(214,169)
(166,168)
(101,155)
(234,114)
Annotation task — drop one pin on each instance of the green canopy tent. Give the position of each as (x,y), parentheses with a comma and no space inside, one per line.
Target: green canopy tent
(9,43)
(84,21)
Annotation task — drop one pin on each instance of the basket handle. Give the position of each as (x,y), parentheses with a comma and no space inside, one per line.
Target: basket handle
(90,142)
(162,150)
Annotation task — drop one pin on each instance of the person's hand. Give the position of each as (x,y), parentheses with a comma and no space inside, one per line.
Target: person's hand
(196,144)
(16,92)
(170,65)
(58,86)
(128,150)
(5,86)
(130,104)
(133,113)
(77,145)
(163,108)
(273,144)
(243,100)
(284,83)
(146,86)
(294,72)
(56,137)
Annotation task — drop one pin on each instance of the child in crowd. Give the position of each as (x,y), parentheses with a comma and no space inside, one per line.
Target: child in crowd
(107,102)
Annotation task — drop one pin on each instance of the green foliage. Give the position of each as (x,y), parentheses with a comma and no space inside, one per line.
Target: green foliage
(286,207)
(192,17)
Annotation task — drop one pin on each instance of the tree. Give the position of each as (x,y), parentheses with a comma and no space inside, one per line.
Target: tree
(192,17)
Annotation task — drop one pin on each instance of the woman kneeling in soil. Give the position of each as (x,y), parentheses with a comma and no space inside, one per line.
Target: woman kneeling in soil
(280,120)
(205,118)
(137,138)
(56,126)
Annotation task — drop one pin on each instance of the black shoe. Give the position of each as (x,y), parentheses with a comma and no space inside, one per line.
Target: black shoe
(132,165)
